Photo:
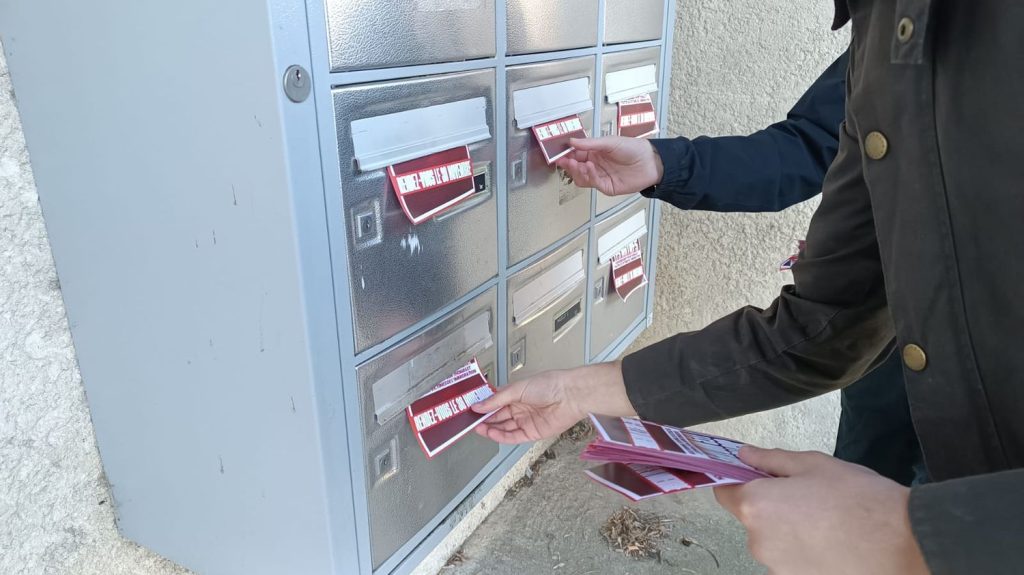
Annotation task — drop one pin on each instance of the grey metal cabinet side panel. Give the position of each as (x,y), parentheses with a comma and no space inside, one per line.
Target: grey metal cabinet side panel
(389,33)
(633,20)
(171,222)
(410,490)
(546,26)
(616,62)
(408,272)
(543,204)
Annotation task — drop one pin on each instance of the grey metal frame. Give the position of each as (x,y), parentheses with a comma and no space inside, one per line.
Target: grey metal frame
(338,540)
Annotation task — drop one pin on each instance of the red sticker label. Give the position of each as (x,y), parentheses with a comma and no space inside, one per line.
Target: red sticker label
(443,416)
(430,185)
(628,273)
(554,137)
(638,118)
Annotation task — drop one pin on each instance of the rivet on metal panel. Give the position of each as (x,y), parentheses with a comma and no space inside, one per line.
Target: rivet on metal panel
(297,85)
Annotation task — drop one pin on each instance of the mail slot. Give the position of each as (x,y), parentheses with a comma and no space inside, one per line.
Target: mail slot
(543,203)
(406,490)
(546,26)
(633,20)
(547,312)
(612,315)
(401,271)
(627,75)
(389,33)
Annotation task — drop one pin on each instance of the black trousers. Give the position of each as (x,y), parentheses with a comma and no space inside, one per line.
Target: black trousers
(875,428)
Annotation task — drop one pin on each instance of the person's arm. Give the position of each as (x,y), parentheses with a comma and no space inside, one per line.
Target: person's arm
(767,171)
(821,334)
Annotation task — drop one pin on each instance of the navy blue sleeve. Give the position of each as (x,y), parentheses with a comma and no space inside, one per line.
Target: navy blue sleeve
(767,171)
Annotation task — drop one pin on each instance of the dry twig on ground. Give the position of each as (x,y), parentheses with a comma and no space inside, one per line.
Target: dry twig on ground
(636,534)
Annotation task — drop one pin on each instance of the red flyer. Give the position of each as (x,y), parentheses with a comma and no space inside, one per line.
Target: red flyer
(639,482)
(429,185)
(638,118)
(628,273)
(554,137)
(443,416)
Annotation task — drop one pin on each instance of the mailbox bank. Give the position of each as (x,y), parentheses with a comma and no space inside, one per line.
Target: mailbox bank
(253,299)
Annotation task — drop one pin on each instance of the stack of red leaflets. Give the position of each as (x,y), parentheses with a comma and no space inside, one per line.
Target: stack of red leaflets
(444,416)
(646,459)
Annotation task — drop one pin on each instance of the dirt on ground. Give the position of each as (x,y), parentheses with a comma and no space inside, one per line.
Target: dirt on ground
(559,521)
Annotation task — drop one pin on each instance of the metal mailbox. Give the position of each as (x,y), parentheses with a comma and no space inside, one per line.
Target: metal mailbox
(610,316)
(626,75)
(633,20)
(406,491)
(389,33)
(347,223)
(400,272)
(547,312)
(545,26)
(543,203)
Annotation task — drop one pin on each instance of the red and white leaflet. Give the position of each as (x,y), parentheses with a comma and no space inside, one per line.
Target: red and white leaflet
(429,185)
(443,416)
(632,441)
(637,117)
(640,482)
(628,274)
(554,137)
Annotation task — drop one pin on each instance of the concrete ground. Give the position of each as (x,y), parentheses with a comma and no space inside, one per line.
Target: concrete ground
(553,526)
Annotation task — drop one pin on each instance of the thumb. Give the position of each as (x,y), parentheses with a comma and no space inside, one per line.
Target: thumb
(502,397)
(606,144)
(779,462)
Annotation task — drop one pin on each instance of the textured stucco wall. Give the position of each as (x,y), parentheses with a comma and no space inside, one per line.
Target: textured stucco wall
(738,66)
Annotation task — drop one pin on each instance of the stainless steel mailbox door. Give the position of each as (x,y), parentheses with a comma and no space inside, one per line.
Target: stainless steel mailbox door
(547,313)
(620,62)
(610,315)
(633,20)
(401,273)
(406,491)
(543,203)
(546,26)
(389,33)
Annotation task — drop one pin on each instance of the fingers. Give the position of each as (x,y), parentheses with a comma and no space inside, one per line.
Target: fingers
(606,144)
(729,498)
(512,436)
(501,398)
(781,463)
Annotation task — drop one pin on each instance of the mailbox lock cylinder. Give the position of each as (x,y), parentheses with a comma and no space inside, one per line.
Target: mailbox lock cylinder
(297,84)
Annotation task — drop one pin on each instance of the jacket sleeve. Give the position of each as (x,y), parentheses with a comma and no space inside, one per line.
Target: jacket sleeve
(821,334)
(767,171)
(970,525)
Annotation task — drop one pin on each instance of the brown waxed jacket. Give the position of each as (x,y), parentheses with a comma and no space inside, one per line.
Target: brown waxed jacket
(918,243)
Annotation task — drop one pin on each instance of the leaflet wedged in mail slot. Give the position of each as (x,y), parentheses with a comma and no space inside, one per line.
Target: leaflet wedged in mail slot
(427,186)
(444,415)
(628,274)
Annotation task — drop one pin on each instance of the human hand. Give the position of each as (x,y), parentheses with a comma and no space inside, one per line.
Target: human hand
(549,403)
(614,165)
(823,515)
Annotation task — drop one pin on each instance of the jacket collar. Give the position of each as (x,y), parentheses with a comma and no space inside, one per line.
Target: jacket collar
(842,14)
